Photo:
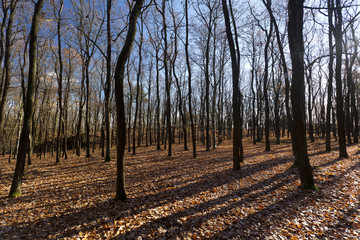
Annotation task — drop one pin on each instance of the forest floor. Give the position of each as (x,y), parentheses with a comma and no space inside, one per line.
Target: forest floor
(180,197)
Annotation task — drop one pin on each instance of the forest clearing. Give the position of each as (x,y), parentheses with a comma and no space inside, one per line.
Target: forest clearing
(180,197)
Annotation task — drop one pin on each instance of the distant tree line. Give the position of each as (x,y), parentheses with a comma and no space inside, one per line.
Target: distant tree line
(81,75)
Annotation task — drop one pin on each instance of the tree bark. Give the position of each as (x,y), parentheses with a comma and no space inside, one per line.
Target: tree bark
(266,76)
(193,133)
(119,98)
(138,76)
(331,76)
(108,80)
(29,103)
(339,95)
(286,73)
(60,80)
(296,44)
(167,80)
(180,97)
(4,88)
(236,92)
(349,63)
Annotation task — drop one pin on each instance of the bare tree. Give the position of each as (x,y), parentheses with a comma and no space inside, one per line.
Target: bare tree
(59,76)
(337,30)
(331,75)
(6,54)
(162,12)
(108,80)
(235,59)
(193,133)
(296,44)
(29,102)
(119,98)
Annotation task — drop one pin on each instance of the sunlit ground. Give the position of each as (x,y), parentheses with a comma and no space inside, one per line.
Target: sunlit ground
(185,198)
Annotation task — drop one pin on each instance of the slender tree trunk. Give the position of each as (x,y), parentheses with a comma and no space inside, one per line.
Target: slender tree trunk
(193,132)
(311,127)
(7,63)
(138,76)
(60,79)
(102,139)
(333,123)
(331,76)
(236,92)
(253,56)
(286,73)
(351,88)
(157,102)
(148,115)
(207,84)
(130,107)
(119,97)
(87,104)
(214,70)
(65,119)
(266,76)
(180,97)
(81,105)
(108,80)
(29,103)
(339,89)
(140,130)
(167,79)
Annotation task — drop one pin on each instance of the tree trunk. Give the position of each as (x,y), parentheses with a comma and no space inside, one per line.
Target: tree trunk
(286,74)
(108,80)
(193,132)
(81,105)
(59,79)
(351,87)
(157,101)
(130,107)
(236,92)
(207,83)
(7,63)
(331,76)
(167,80)
(180,97)
(339,95)
(119,98)
(266,76)
(138,75)
(309,107)
(296,44)
(140,130)
(29,103)
(148,115)
(87,106)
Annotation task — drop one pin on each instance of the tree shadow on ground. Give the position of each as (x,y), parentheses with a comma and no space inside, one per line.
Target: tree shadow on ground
(83,219)
(251,227)
(86,218)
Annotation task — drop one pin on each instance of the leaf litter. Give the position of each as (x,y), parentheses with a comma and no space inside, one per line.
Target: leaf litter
(180,197)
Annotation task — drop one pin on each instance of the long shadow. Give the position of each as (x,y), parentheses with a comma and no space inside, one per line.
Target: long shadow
(90,217)
(281,178)
(73,194)
(344,223)
(155,199)
(210,180)
(87,218)
(247,227)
